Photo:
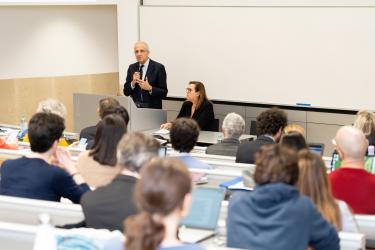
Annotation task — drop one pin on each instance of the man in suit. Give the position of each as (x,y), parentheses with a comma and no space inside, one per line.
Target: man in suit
(146,80)
(108,206)
(270,124)
(105,104)
(233,127)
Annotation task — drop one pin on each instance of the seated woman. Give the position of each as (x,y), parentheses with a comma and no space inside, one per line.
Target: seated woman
(293,127)
(275,215)
(50,106)
(294,141)
(365,121)
(120,110)
(163,195)
(313,182)
(196,106)
(99,165)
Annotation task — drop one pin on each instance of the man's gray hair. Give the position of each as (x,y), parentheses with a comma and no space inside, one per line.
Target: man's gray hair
(142,43)
(135,149)
(233,125)
(52,106)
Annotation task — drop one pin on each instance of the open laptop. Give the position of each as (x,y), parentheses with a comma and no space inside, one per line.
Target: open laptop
(316,148)
(204,213)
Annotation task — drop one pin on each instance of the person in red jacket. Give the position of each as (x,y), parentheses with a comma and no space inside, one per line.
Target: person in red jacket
(352,183)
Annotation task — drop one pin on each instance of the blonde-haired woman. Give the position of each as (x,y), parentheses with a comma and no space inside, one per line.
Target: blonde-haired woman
(293,127)
(313,182)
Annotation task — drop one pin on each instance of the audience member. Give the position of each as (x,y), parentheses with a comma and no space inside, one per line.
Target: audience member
(51,106)
(352,183)
(108,206)
(33,176)
(119,110)
(163,196)
(365,121)
(293,127)
(270,124)
(233,127)
(104,105)
(196,106)
(313,182)
(99,165)
(184,134)
(294,141)
(275,215)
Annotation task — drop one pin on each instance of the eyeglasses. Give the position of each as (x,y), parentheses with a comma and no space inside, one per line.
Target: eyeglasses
(334,141)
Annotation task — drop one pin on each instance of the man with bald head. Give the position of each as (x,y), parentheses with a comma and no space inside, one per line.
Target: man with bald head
(146,80)
(352,183)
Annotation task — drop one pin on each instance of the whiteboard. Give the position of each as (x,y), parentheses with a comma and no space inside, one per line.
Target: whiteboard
(321,56)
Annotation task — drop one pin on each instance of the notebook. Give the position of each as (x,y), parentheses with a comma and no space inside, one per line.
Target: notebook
(203,216)
(235,184)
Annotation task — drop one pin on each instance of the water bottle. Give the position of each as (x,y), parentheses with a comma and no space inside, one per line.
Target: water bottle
(23,123)
(219,138)
(45,238)
(371,150)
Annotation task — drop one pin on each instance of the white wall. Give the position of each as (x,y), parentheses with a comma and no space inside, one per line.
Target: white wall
(128,34)
(308,53)
(39,41)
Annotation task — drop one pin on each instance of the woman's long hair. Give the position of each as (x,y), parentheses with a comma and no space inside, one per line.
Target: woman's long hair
(162,188)
(199,87)
(109,132)
(313,182)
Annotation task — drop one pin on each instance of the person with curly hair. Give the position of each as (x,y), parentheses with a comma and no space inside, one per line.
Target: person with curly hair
(270,124)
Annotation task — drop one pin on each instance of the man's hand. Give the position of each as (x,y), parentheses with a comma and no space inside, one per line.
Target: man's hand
(145,85)
(136,77)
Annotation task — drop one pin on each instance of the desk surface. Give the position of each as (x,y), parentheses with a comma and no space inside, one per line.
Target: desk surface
(207,137)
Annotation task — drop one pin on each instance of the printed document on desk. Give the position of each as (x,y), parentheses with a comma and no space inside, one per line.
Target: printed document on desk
(235,184)
(161,132)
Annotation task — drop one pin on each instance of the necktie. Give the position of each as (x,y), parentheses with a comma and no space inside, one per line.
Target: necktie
(141,77)
(141,71)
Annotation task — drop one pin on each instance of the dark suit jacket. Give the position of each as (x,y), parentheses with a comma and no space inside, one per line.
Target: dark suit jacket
(227,147)
(88,133)
(108,206)
(371,139)
(204,115)
(156,76)
(246,151)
